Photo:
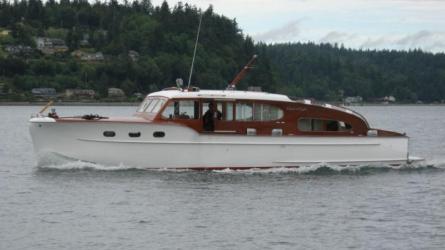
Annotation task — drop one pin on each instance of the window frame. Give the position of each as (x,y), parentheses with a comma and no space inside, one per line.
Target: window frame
(152,99)
(254,105)
(196,102)
(325,124)
(237,103)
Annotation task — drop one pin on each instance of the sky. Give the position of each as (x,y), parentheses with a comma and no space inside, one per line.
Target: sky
(360,24)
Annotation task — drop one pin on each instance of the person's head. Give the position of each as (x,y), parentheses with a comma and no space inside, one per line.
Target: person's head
(211,106)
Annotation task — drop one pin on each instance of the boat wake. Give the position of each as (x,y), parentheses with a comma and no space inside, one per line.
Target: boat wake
(330,169)
(53,161)
(57,162)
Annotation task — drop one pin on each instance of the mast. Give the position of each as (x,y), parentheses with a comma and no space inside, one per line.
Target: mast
(242,73)
(194,52)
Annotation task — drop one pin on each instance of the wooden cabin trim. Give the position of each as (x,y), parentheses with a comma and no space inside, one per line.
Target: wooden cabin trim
(292,112)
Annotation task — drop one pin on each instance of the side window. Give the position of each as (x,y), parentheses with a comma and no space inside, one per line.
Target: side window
(244,111)
(224,108)
(320,125)
(187,110)
(265,112)
(205,107)
(169,111)
(183,109)
(228,114)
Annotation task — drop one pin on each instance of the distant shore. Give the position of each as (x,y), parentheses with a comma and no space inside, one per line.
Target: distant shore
(134,104)
(70,103)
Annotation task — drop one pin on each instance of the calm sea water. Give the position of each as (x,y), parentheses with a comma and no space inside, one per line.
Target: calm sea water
(82,206)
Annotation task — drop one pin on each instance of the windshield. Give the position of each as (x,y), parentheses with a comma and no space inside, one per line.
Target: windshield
(151,104)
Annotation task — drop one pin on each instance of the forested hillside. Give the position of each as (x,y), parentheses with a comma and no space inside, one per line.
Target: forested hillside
(140,48)
(163,37)
(328,72)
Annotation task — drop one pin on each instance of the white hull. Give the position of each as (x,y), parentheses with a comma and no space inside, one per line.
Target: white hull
(182,147)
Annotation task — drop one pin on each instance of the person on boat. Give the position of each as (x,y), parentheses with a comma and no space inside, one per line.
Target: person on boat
(209,117)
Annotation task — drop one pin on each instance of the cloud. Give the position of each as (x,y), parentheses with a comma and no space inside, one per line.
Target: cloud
(427,40)
(424,39)
(366,24)
(374,43)
(416,38)
(287,32)
(337,37)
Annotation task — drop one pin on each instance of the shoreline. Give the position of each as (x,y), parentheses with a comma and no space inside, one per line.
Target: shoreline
(134,104)
(70,104)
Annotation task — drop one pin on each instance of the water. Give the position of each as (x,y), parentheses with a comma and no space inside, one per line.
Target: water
(77,205)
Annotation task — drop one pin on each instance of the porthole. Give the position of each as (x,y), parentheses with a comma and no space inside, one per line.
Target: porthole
(134,134)
(159,134)
(109,134)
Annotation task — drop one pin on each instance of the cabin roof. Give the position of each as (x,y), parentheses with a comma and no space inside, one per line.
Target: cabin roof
(223,94)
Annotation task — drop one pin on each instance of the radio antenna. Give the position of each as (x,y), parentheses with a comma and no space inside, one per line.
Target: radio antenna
(194,51)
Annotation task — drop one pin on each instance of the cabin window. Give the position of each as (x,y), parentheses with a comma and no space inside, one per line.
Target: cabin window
(322,125)
(244,111)
(205,107)
(151,105)
(144,105)
(224,108)
(265,112)
(183,109)
(156,107)
(228,114)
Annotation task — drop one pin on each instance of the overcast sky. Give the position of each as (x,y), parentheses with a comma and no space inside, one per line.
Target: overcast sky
(373,24)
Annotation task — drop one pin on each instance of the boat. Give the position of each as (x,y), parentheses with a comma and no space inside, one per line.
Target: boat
(189,128)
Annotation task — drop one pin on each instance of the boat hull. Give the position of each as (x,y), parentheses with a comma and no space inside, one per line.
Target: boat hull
(182,147)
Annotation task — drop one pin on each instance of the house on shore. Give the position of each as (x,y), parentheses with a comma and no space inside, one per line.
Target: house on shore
(49,46)
(44,92)
(353,100)
(4,32)
(388,99)
(18,50)
(134,55)
(88,57)
(80,93)
(116,92)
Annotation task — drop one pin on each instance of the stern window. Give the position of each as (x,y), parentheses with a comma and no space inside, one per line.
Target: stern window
(322,125)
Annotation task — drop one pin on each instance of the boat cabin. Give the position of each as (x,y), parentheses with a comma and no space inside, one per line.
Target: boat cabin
(250,113)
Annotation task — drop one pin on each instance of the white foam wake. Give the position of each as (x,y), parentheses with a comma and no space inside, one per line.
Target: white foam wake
(57,162)
(329,167)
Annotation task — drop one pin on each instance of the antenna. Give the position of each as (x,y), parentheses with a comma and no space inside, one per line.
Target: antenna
(194,52)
